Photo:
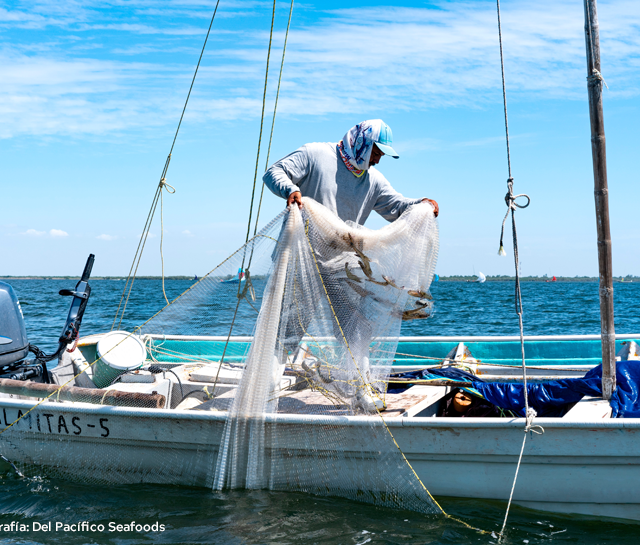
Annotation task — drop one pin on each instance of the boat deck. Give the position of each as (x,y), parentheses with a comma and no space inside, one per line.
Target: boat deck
(417,400)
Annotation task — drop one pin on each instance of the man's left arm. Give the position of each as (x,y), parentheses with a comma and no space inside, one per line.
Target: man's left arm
(390,204)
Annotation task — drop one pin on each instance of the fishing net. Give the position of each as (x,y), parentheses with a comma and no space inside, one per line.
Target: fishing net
(272,371)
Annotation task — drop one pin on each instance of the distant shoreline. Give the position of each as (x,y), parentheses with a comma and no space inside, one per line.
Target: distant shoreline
(442,278)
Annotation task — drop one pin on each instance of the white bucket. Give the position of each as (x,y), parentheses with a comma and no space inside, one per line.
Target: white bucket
(118,352)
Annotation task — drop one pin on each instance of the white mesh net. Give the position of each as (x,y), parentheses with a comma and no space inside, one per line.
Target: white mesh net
(297,406)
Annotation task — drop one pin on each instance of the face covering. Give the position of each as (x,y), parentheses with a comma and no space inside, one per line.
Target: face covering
(356,146)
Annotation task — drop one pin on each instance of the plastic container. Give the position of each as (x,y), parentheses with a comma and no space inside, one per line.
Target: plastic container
(118,352)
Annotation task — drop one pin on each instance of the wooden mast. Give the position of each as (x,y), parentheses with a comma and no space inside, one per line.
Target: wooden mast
(598,150)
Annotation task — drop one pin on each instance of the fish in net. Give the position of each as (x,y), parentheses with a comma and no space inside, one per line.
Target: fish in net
(331,314)
(281,372)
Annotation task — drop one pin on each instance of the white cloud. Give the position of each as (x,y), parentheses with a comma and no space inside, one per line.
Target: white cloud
(58,233)
(187,233)
(445,53)
(106,237)
(34,233)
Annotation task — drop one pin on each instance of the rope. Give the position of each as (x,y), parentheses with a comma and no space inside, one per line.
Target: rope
(138,328)
(363,381)
(264,101)
(595,75)
(255,175)
(273,121)
(126,292)
(512,205)
(12,465)
(170,189)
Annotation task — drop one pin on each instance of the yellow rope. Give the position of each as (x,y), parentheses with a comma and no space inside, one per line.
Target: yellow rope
(264,101)
(273,121)
(379,413)
(170,189)
(253,191)
(138,255)
(344,338)
(56,392)
(158,194)
(138,328)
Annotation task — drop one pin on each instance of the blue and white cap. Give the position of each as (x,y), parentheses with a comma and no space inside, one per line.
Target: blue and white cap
(385,139)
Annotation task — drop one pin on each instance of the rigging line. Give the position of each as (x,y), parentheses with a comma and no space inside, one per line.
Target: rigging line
(504,90)
(253,191)
(135,257)
(157,197)
(273,121)
(136,329)
(136,260)
(264,101)
(510,200)
(170,189)
(191,86)
(362,380)
(161,184)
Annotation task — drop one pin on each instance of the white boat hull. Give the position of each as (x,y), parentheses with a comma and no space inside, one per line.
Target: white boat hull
(588,468)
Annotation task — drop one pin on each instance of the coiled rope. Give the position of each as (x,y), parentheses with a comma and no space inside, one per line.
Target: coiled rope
(512,205)
(162,185)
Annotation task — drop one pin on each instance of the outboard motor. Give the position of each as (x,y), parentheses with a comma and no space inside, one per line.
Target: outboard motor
(78,305)
(14,345)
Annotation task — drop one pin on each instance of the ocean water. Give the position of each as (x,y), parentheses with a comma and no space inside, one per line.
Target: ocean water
(190,515)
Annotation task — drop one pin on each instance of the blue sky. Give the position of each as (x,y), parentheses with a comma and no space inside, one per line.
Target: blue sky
(91,92)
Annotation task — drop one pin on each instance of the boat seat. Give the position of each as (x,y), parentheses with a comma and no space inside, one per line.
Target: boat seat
(589,409)
(629,351)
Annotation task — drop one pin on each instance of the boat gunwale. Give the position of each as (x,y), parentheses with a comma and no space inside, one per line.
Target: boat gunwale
(434,338)
(397,421)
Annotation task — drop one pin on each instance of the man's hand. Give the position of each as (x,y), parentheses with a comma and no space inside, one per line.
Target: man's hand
(433,203)
(296,197)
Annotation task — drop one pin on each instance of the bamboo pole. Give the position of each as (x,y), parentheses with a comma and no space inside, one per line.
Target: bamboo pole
(83,395)
(598,151)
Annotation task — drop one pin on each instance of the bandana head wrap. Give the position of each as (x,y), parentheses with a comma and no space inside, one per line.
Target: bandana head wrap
(356,146)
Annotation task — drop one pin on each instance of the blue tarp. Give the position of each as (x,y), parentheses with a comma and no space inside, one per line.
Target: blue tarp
(450,373)
(550,398)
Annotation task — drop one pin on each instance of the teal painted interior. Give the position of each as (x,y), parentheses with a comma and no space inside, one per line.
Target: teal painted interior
(543,353)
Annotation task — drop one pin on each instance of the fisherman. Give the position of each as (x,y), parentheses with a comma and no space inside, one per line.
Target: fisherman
(342,176)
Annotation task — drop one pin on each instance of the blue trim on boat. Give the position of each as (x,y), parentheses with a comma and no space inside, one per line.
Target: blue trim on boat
(412,352)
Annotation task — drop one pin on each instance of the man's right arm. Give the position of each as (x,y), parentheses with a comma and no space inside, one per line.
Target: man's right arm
(284,176)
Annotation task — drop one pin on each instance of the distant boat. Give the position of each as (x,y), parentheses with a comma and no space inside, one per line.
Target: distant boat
(480,278)
(195,278)
(236,279)
(436,278)
(554,279)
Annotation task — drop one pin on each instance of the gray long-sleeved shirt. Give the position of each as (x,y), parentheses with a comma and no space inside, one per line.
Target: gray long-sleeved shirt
(317,171)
